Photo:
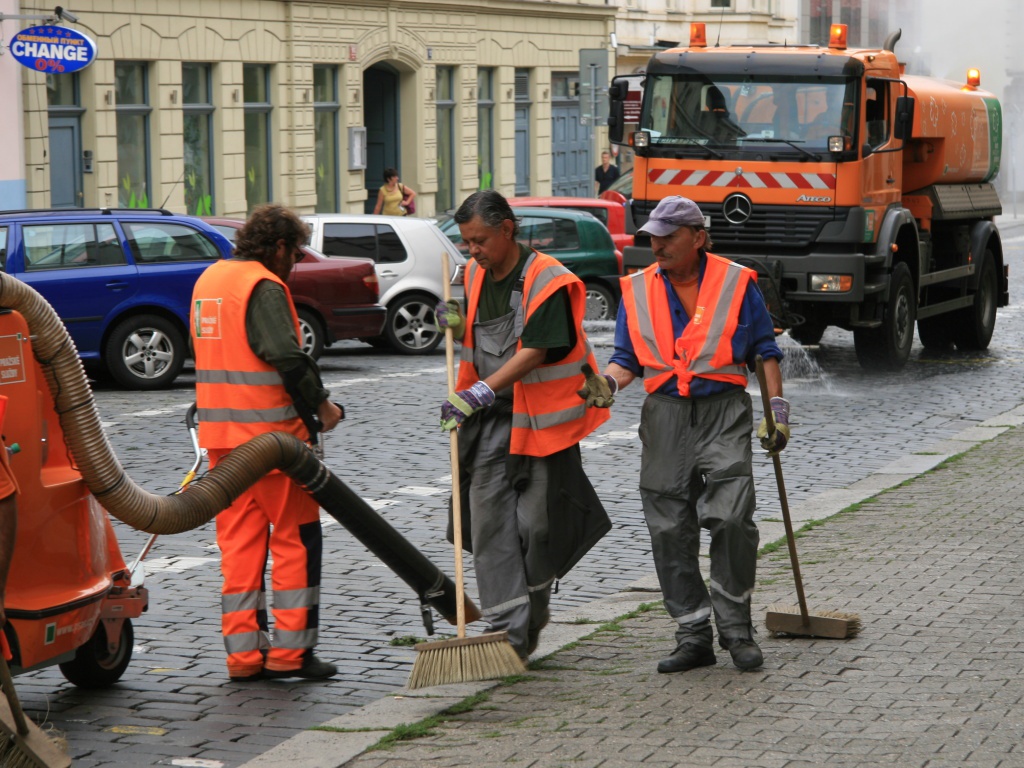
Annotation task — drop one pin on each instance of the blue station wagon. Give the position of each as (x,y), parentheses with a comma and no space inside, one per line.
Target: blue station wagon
(121,280)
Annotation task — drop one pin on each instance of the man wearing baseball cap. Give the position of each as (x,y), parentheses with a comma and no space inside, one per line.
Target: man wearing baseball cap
(691,325)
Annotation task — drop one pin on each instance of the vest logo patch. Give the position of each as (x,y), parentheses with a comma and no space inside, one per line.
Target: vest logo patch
(206,317)
(698,315)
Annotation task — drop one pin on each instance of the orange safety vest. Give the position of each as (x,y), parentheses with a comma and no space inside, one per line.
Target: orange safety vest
(705,347)
(547,414)
(238,395)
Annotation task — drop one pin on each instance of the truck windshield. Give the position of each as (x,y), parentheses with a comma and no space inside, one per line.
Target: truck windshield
(794,115)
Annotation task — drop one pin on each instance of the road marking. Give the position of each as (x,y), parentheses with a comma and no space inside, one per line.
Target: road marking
(176,564)
(607,438)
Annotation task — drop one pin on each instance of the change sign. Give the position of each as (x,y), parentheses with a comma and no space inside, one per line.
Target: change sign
(53,50)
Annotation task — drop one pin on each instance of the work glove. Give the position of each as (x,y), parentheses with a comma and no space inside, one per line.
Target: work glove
(464,403)
(780,437)
(598,391)
(448,314)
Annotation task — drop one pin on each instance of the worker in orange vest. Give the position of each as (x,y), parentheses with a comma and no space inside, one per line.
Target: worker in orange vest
(520,418)
(252,377)
(691,325)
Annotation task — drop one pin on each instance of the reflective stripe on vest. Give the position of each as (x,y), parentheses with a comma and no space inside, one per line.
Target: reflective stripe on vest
(705,347)
(239,396)
(548,415)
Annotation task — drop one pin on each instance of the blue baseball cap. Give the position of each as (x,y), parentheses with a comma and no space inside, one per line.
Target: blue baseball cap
(671,214)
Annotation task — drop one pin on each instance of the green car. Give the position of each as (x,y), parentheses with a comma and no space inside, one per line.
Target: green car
(576,239)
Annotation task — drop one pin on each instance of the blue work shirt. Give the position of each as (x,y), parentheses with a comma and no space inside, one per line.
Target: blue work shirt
(755,335)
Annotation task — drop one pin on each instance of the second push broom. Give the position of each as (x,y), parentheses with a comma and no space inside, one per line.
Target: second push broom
(784,619)
(461,659)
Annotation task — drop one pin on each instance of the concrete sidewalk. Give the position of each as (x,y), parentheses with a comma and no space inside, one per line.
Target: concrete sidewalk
(932,566)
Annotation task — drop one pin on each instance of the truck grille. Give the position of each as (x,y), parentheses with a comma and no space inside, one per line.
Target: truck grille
(769,228)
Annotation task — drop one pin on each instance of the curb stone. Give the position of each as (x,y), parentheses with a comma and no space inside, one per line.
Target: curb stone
(355,732)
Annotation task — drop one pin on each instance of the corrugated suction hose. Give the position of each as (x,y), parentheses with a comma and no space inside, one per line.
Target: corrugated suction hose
(111,485)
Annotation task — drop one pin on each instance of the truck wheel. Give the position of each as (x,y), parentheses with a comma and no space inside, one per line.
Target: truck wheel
(936,332)
(312,333)
(809,332)
(94,666)
(888,348)
(974,325)
(600,303)
(145,352)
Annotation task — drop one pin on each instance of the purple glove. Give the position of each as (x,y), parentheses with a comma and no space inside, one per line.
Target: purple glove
(463,403)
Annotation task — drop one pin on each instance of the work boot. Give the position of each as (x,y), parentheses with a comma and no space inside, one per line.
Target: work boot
(744,651)
(312,669)
(533,634)
(688,656)
(248,678)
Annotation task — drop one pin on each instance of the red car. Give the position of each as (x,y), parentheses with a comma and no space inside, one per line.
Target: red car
(335,296)
(610,213)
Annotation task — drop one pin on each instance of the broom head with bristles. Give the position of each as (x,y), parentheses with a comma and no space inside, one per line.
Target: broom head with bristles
(465,659)
(32,749)
(787,620)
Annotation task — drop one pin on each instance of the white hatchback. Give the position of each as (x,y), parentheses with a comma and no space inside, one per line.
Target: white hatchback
(406,252)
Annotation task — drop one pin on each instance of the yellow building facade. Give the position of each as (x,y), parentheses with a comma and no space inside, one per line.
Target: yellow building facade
(212,106)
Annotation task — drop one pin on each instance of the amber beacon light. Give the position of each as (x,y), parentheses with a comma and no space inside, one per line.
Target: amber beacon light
(698,36)
(837,37)
(974,77)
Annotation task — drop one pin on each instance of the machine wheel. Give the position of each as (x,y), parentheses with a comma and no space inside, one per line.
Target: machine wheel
(600,303)
(809,332)
(311,332)
(94,666)
(410,325)
(888,348)
(145,352)
(974,325)
(936,332)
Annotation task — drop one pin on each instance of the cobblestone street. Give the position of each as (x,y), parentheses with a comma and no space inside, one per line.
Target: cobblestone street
(175,706)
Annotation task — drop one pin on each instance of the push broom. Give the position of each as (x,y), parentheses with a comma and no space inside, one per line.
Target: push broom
(785,619)
(22,742)
(461,659)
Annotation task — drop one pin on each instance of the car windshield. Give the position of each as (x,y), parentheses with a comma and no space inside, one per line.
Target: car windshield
(793,115)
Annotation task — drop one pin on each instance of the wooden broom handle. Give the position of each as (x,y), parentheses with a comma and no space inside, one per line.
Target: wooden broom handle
(790,538)
(12,697)
(449,354)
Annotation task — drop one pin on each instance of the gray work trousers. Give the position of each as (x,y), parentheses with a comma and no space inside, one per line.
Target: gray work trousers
(695,472)
(509,529)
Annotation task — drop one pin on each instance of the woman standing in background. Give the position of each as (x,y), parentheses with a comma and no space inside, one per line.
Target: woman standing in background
(393,196)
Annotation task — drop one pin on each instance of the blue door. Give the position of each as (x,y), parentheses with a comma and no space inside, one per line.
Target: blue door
(380,113)
(571,169)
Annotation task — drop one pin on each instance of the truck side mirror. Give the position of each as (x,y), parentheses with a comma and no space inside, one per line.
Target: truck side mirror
(904,123)
(617,93)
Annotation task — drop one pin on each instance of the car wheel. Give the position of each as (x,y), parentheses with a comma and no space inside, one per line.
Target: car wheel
(600,303)
(95,665)
(888,348)
(975,324)
(311,333)
(410,325)
(145,352)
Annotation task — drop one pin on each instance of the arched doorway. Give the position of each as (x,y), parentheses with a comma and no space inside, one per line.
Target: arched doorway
(380,114)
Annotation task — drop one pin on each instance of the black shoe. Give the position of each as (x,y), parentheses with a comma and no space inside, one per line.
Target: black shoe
(533,635)
(745,653)
(311,669)
(248,678)
(686,657)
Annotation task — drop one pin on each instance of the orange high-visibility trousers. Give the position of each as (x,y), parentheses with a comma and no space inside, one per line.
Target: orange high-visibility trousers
(274,516)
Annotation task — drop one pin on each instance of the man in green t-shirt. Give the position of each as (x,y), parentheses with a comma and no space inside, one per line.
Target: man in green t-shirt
(508,450)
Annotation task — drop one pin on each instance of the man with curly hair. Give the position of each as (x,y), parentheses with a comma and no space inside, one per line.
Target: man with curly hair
(252,377)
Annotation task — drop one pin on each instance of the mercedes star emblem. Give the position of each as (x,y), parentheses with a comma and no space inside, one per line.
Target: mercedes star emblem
(737,209)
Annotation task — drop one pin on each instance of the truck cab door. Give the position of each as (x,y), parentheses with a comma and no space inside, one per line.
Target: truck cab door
(883,167)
